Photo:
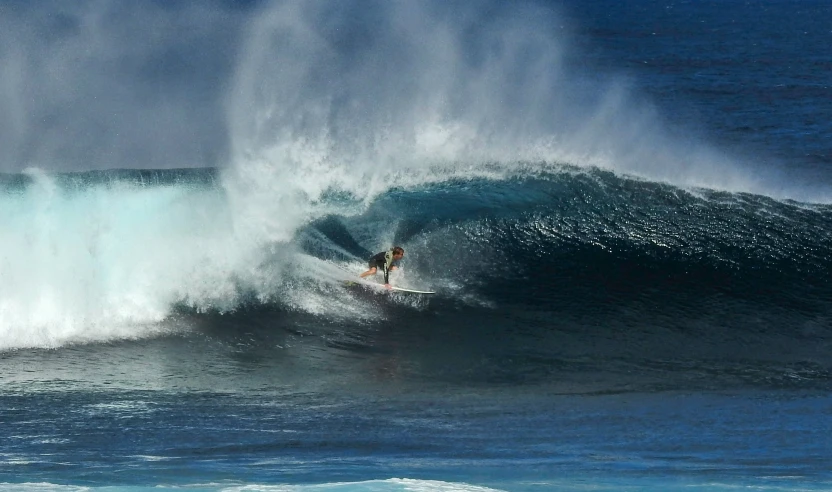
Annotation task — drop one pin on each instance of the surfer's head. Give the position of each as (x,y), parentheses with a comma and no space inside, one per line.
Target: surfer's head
(398,252)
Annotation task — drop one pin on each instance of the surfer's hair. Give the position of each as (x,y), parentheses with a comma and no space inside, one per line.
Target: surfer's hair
(398,250)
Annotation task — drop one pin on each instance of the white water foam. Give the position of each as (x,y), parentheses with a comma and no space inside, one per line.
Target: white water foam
(108,262)
(390,485)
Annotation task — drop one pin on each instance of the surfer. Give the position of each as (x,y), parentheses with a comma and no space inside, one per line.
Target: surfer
(385,260)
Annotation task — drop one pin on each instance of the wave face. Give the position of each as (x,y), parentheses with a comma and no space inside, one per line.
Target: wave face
(587,272)
(573,270)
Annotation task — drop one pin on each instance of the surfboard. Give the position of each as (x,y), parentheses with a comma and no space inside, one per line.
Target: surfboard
(350,283)
(361,281)
(413,291)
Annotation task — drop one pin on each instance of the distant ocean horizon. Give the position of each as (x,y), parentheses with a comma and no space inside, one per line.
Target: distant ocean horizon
(625,210)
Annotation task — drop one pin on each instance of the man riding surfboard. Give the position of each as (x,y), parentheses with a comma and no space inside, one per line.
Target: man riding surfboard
(385,260)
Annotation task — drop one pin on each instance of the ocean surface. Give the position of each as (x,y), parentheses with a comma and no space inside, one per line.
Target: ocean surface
(625,210)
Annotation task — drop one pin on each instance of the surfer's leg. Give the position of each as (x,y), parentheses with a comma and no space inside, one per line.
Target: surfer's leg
(371,271)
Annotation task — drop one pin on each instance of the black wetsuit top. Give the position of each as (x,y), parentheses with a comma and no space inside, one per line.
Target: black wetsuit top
(383,260)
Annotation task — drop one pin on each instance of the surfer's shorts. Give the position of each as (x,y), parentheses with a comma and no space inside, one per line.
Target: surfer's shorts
(376,264)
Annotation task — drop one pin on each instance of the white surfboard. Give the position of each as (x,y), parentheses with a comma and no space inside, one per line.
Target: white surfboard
(381,287)
(413,291)
(361,281)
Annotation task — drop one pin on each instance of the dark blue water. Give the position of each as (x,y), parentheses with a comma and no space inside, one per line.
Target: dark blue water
(602,320)
(750,74)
